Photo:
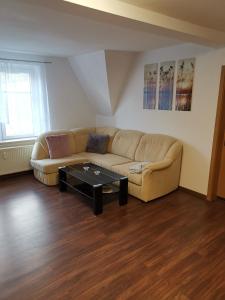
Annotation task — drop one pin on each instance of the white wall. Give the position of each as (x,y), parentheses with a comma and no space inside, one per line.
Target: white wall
(195,129)
(67,102)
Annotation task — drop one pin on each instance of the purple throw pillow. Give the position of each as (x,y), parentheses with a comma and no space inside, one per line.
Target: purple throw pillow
(97,143)
(58,145)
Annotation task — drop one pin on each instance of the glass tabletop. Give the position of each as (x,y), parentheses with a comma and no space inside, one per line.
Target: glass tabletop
(92,174)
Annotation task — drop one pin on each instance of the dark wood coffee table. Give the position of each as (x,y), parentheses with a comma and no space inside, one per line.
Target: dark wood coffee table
(89,180)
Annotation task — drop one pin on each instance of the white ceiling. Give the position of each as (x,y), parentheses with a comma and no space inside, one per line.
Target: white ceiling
(54,27)
(208,13)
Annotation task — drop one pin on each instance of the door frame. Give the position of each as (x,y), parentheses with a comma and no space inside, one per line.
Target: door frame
(217,141)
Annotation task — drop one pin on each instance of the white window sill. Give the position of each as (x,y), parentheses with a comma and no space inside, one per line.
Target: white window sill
(17,142)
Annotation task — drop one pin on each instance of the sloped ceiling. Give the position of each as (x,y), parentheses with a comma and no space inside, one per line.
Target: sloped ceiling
(118,66)
(90,69)
(103,75)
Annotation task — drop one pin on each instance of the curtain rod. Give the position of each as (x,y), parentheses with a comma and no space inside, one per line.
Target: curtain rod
(23,60)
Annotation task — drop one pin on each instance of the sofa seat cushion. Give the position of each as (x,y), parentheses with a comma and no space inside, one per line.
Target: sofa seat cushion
(104,160)
(124,169)
(51,165)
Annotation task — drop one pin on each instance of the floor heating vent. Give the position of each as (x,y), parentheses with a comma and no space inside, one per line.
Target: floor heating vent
(15,159)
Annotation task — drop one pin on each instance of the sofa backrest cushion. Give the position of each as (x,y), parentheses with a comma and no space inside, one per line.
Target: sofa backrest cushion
(81,136)
(41,142)
(125,143)
(110,131)
(153,147)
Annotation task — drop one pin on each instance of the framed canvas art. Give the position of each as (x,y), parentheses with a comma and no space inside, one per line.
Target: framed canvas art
(166,84)
(150,86)
(185,78)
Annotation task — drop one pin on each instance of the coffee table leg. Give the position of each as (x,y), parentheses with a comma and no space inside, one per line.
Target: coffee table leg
(123,194)
(62,185)
(97,199)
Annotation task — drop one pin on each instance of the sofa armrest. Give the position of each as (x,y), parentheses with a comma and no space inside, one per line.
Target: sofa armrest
(156,166)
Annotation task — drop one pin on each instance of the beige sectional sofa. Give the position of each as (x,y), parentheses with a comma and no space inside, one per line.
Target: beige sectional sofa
(162,156)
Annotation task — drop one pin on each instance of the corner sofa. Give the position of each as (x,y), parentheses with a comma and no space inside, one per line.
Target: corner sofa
(126,148)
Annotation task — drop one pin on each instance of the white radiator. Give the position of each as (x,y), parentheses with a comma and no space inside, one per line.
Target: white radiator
(15,159)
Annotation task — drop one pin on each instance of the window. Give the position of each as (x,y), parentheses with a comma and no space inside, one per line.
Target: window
(23,101)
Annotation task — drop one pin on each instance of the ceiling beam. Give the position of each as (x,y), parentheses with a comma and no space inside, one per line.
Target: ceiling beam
(131,12)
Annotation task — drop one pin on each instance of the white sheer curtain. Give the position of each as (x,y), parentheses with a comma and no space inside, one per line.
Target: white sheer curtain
(4,72)
(23,100)
(40,108)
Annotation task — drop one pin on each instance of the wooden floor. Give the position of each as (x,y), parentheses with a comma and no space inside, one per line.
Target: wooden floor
(53,247)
